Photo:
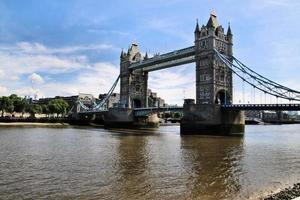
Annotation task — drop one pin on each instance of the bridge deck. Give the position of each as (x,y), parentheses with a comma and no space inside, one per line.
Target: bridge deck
(171,59)
(145,111)
(283,107)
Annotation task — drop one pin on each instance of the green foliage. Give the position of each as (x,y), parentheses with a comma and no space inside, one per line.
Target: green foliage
(45,109)
(13,103)
(20,105)
(177,115)
(167,115)
(6,105)
(35,109)
(58,106)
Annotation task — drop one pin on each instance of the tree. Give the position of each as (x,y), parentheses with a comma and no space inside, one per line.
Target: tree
(34,109)
(6,105)
(45,109)
(167,115)
(58,106)
(177,115)
(20,105)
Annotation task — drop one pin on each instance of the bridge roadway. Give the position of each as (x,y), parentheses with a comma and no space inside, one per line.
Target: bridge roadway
(144,111)
(283,107)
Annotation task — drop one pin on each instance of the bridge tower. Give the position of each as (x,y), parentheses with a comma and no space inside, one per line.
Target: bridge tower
(133,92)
(213,78)
(134,83)
(213,84)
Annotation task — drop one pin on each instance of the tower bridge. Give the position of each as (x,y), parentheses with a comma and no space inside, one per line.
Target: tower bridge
(213,111)
(172,59)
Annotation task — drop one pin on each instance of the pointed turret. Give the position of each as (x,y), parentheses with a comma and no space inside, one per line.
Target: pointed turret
(212,22)
(197,31)
(122,54)
(146,56)
(197,27)
(229,30)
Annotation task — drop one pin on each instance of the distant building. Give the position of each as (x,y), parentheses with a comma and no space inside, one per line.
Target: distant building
(154,100)
(113,99)
(269,116)
(87,99)
(253,114)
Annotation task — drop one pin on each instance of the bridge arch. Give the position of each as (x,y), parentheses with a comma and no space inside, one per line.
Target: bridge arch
(137,103)
(222,97)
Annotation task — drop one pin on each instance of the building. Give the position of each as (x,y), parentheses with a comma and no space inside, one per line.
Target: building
(87,99)
(113,99)
(154,100)
(253,114)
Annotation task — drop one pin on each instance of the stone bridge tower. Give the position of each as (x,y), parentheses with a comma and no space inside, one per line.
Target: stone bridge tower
(213,78)
(133,87)
(213,85)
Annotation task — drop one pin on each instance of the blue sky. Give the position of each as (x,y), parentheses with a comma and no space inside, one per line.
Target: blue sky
(55,47)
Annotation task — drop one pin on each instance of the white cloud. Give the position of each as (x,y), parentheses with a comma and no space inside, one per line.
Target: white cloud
(28,91)
(174,84)
(36,78)
(27,63)
(96,79)
(25,58)
(3,91)
(2,73)
(30,59)
(38,48)
(31,47)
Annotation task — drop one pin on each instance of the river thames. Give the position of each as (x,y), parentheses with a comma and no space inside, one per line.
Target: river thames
(94,163)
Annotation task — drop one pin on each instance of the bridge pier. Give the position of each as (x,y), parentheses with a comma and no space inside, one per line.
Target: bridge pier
(210,119)
(149,121)
(124,118)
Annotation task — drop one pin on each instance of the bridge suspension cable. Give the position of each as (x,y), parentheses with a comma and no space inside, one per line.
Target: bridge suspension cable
(258,81)
(102,105)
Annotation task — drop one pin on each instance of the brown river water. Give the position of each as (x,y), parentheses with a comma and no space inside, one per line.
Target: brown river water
(94,163)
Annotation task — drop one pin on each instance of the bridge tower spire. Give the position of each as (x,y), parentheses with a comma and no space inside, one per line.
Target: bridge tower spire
(213,79)
(197,31)
(230,42)
(213,85)
(134,83)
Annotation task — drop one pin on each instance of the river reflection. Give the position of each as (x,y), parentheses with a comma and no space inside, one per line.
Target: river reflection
(87,163)
(132,165)
(214,166)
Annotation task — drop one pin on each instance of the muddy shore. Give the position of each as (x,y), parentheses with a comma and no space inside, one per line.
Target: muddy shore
(32,124)
(286,194)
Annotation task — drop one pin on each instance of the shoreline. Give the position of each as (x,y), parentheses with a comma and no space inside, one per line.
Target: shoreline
(33,124)
(290,193)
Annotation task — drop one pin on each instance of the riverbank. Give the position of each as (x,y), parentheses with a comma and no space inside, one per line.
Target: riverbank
(286,194)
(33,124)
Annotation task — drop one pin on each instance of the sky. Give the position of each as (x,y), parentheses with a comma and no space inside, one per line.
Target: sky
(55,47)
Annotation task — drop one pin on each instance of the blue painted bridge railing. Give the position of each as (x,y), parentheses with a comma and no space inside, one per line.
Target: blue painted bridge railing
(145,111)
(284,107)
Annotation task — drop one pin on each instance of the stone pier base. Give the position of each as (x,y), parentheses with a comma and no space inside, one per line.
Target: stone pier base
(149,121)
(124,118)
(119,118)
(204,119)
